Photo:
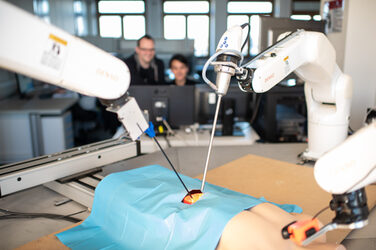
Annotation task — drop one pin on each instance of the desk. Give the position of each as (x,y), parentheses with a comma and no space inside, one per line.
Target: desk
(200,138)
(30,128)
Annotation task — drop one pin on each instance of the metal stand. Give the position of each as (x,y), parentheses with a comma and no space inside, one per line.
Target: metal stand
(40,170)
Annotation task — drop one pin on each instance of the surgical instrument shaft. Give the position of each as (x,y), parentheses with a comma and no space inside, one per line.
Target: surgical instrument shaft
(172,166)
(211,142)
(165,155)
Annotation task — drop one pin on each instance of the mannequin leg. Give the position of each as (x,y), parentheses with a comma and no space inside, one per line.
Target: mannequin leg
(260,228)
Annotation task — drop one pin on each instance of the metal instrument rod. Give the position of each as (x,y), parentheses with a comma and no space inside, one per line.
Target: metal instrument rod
(332,226)
(211,142)
(172,166)
(322,231)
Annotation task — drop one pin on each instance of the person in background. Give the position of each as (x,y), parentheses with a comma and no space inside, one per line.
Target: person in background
(144,67)
(179,66)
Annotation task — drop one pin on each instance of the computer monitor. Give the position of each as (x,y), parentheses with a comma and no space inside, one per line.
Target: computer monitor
(25,85)
(206,100)
(175,104)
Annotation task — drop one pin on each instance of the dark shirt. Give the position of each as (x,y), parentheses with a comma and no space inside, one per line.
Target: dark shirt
(154,75)
(187,82)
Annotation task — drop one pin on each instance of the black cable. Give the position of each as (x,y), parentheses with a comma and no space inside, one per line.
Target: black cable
(20,215)
(362,179)
(79,212)
(256,109)
(249,29)
(350,130)
(8,212)
(319,212)
(70,219)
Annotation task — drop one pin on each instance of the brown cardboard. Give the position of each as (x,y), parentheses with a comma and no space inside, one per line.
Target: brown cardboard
(280,182)
(277,181)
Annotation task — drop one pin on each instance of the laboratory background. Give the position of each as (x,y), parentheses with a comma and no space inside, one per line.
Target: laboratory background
(261,97)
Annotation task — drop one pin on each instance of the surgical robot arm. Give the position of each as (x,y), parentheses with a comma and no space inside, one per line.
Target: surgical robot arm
(344,172)
(39,50)
(311,56)
(327,90)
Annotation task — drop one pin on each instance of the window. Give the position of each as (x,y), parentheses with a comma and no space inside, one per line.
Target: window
(80,18)
(122,18)
(110,26)
(306,10)
(174,27)
(301,17)
(240,12)
(42,9)
(188,19)
(252,7)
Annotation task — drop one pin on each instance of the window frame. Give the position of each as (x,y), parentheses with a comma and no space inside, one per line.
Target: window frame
(186,22)
(122,19)
(248,55)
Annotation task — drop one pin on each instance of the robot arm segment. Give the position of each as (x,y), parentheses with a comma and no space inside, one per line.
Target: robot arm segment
(309,54)
(47,53)
(344,172)
(34,48)
(351,165)
(327,90)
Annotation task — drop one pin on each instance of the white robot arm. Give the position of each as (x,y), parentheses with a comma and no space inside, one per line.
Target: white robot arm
(327,90)
(351,165)
(34,48)
(310,55)
(345,171)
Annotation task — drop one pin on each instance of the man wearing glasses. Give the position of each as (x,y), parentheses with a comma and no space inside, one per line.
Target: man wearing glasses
(144,67)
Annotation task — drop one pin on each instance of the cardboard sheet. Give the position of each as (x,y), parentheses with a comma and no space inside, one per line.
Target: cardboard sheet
(277,181)
(281,182)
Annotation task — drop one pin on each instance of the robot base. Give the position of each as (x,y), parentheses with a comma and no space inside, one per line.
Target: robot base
(322,138)
(309,156)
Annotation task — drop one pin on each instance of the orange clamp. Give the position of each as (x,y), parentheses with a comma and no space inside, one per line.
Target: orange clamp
(298,231)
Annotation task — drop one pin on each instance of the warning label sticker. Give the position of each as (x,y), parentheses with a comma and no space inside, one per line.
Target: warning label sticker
(54,52)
